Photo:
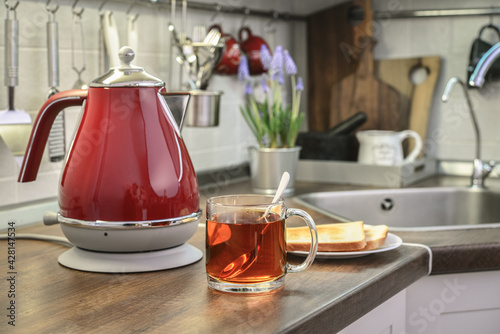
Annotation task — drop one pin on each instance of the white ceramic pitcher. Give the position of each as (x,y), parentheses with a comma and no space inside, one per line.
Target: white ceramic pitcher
(385,147)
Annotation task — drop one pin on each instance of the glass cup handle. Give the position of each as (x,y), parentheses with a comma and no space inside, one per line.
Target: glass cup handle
(290,268)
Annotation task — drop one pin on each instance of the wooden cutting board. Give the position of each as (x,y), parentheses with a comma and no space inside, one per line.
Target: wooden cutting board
(395,72)
(333,53)
(422,98)
(342,80)
(415,99)
(363,91)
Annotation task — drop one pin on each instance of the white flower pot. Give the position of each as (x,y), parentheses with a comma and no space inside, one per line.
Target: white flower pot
(268,164)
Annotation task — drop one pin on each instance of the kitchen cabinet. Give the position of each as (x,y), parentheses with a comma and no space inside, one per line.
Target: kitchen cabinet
(455,303)
(387,318)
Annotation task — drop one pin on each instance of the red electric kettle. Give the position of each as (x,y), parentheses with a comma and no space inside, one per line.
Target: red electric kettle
(127,168)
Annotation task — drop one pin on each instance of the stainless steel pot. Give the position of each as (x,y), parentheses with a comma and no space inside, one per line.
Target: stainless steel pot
(203,109)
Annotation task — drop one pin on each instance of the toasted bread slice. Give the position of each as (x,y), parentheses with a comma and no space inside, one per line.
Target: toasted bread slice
(343,237)
(375,236)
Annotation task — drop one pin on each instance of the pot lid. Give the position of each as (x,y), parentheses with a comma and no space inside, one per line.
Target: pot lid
(127,75)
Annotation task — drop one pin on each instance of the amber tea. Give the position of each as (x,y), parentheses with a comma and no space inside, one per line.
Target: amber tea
(243,247)
(245,250)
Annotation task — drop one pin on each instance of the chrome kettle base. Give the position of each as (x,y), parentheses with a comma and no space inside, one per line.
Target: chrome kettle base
(131,236)
(101,262)
(128,247)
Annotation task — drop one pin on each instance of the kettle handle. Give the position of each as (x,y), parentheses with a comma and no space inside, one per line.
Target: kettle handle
(41,129)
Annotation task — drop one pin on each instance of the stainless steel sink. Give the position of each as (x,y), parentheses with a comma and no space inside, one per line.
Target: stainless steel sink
(410,207)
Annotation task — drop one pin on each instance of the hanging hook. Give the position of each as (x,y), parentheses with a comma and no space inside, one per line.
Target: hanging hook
(270,25)
(75,12)
(49,10)
(102,5)
(246,13)
(215,15)
(130,9)
(77,24)
(11,7)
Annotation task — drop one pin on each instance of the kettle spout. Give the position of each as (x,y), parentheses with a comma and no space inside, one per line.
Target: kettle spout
(177,104)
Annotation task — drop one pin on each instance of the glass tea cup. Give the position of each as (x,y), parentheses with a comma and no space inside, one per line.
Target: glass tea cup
(246,249)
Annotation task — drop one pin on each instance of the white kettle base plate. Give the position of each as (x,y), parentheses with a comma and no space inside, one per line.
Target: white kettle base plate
(100,262)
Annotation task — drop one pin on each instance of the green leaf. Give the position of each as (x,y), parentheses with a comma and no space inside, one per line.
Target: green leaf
(247,116)
(294,129)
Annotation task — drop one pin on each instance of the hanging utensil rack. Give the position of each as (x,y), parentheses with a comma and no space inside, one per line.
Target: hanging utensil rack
(277,15)
(426,13)
(213,7)
(224,9)
(228,9)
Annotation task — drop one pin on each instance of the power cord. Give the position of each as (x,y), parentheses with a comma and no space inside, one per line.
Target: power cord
(40,237)
(429,250)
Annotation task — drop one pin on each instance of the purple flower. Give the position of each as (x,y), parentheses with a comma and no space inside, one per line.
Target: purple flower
(248,89)
(274,76)
(265,86)
(290,66)
(265,140)
(281,78)
(277,61)
(265,57)
(300,85)
(243,72)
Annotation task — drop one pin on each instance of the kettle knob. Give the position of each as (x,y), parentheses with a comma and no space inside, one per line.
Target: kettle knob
(127,75)
(126,55)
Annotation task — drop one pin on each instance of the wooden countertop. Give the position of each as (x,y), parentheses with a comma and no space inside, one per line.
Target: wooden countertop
(326,298)
(456,251)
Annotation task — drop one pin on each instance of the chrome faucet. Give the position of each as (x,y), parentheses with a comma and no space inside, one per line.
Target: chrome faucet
(480,170)
(477,77)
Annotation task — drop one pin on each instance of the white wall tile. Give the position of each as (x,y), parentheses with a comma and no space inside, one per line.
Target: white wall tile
(431,36)
(464,31)
(8,191)
(227,144)
(450,132)
(44,187)
(7,162)
(394,39)
(210,148)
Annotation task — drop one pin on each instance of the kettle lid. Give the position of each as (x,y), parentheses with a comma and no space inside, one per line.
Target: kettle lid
(127,75)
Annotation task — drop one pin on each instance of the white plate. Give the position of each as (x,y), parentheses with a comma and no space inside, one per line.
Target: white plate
(391,242)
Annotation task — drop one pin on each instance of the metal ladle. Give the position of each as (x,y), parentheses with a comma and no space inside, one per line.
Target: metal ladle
(53,47)
(56,140)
